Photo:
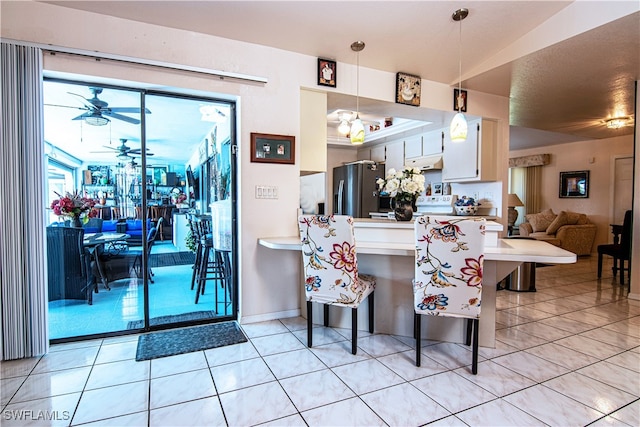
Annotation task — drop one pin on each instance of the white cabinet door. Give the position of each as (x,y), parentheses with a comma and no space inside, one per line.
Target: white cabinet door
(395,156)
(433,143)
(474,159)
(461,158)
(378,153)
(413,146)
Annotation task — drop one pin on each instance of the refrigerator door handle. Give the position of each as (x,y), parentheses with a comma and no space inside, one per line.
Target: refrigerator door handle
(340,196)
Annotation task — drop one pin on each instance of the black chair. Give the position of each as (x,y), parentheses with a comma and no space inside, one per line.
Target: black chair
(67,268)
(620,252)
(137,263)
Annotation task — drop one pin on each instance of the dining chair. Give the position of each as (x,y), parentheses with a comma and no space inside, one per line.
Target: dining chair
(331,270)
(448,273)
(67,269)
(158,212)
(137,263)
(620,252)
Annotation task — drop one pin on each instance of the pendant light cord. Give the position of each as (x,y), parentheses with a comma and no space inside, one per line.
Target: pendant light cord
(358,85)
(459,65)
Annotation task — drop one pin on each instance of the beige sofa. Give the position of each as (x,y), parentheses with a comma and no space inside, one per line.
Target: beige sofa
(569,230)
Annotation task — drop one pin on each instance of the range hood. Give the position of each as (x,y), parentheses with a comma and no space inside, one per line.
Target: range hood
(425,162)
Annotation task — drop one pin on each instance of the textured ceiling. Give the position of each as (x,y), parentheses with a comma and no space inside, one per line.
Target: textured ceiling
(560,84)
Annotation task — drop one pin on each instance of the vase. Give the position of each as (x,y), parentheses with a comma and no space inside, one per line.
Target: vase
(75,222)
(403,211)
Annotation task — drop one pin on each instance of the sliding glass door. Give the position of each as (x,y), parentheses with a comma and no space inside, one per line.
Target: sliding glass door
(145,168)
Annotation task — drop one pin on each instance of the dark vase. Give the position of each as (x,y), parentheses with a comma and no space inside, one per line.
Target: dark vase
(75,222)
(403,211)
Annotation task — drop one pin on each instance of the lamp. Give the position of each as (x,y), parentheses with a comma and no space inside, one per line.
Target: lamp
(96,119)
(344,128)
(512,214)
(357,127)
(458,127)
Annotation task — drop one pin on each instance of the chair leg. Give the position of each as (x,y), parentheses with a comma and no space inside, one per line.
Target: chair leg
(371,305)
(474,362)
(309,324)
(417,325)
(196,265)
(469,331)
(354,330)
(599,265)
(621,271)
(326,315)
(615,266)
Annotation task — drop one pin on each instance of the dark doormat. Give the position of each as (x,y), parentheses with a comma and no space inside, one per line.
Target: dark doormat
(187,340)
(175,318)
(171,258)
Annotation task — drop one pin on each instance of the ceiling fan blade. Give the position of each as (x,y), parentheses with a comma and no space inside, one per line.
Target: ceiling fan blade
(84,100)
(124,109)
(82,116)
(64,106)
(121,117)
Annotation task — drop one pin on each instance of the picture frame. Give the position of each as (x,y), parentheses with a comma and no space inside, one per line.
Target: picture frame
(267,148)
(327,72)
(408,89)
(437,189)
(463,107)
(574,184)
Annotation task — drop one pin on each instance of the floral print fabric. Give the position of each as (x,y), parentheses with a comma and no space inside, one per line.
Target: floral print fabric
(449,263)
(330,261)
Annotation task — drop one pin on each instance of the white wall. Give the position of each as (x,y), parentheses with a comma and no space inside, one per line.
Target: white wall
(594,156)
(269,280)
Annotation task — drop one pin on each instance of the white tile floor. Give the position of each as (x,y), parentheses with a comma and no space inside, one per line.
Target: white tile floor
(567,355)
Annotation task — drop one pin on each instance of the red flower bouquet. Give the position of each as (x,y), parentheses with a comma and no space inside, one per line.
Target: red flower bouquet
(74,206)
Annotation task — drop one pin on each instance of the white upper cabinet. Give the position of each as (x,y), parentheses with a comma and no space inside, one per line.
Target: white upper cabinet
(433,143)
(378,153)
(395,156)
(473,159)
(413,146)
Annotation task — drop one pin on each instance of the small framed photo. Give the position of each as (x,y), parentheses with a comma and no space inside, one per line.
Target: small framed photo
(574,184)
(460,100)
(408,89)
(437,189)
(326,72)
(267,148)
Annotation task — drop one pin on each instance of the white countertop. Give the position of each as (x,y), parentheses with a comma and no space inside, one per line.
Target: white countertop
(518,250)
(392,223)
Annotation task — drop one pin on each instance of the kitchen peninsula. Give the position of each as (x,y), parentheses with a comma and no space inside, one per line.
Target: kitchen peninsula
(386,250)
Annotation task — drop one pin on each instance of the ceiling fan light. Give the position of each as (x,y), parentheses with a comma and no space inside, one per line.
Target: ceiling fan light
(458,128)
(616,123)
(96,120)
(357,132)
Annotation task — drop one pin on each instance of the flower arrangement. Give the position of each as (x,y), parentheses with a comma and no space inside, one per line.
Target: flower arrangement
(178,196)
(74,206)
(403,186)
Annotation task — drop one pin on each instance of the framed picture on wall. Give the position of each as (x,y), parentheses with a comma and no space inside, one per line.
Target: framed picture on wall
(266,148)
(326,72)
(460,100)
(574,184)
(408,89)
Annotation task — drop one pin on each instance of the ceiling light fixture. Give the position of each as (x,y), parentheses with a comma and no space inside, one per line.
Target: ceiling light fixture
(617,123)
(458,127)
(344,127)
(96,119)
(357,127)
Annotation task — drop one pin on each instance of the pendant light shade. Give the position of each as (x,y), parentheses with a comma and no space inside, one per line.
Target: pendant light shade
(458,127)
(357,128)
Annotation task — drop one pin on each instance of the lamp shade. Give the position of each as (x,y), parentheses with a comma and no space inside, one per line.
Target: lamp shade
(513,200)
(357,132)
(458,128)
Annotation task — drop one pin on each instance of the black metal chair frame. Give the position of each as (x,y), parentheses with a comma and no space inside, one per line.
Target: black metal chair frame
(619,251)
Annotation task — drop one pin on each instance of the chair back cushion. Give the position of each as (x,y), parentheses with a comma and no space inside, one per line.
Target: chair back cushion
(330,262)
(449,263)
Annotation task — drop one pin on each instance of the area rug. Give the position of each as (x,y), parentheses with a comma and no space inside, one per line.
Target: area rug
(171,258)
(175,318)
(186,340)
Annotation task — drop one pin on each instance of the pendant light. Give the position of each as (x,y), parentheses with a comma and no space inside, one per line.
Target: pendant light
(458,127)
(357,128)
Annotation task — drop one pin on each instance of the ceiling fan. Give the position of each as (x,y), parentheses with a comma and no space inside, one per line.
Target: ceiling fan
(98,111)
(124,151)
(343,119)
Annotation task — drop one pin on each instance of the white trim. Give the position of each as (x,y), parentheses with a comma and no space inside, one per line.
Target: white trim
(223,75)
(270,316)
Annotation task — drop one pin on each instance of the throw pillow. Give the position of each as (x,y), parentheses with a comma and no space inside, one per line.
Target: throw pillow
(561,219)
(542,220)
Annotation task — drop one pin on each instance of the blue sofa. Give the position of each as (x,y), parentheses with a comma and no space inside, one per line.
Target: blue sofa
(133,227)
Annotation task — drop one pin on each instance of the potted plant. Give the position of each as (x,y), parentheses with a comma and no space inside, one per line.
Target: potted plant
(403,187)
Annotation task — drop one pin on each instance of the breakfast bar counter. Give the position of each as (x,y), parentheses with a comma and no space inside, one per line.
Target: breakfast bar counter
(386,250)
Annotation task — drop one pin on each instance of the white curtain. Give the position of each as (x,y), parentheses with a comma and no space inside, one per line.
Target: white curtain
(23,306)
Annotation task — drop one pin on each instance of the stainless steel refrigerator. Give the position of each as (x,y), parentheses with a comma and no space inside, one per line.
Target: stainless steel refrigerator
(355,191)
